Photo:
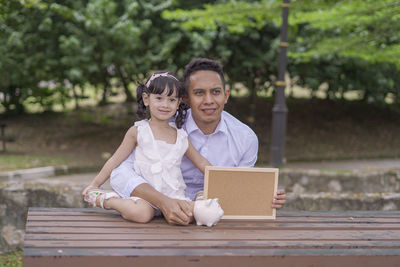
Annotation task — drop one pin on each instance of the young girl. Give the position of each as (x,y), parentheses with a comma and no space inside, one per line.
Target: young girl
(160,146)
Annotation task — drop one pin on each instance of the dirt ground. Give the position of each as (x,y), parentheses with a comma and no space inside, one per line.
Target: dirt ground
(316,130)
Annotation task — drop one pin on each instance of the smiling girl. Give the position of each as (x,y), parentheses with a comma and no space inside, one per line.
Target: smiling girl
(160,146)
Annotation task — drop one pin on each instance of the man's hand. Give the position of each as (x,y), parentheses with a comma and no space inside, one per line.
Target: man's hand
(177,211)
(279,199)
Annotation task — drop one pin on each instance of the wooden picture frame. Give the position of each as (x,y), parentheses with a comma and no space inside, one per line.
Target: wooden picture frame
(243,193)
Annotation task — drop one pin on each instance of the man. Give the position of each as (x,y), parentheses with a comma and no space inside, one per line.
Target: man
(217,135)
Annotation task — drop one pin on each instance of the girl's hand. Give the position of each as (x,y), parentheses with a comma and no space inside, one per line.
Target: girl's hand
(84,192)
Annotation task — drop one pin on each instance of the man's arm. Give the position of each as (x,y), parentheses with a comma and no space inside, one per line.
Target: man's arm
(249,159)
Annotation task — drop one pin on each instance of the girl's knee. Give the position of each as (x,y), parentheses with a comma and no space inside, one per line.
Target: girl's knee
(145,217)
(140,213)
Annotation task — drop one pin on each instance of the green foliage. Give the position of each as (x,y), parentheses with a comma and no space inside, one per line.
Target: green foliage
(237,16)
(365,29)
(374,82)
(68,44)
(29,54)
(350,45)
(11,259)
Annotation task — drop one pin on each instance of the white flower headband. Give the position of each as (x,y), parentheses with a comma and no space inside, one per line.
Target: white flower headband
(156,75)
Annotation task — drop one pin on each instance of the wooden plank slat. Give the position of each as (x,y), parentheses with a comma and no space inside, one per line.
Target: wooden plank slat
(288,219)
(137,252)
(272,225)
(368,214)
(125,230)
(255,244)
(145,234)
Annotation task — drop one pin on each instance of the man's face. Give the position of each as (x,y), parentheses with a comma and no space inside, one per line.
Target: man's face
(207,99)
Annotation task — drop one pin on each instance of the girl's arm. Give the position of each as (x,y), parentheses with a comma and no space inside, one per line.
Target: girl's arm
(198,160)
(123,151)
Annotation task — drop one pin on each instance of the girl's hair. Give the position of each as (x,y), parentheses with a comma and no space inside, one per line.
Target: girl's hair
(156,84)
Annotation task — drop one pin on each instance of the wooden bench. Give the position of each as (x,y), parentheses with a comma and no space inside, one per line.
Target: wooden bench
(93,237)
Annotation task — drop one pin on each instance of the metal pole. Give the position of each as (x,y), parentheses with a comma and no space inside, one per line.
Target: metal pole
(279,111)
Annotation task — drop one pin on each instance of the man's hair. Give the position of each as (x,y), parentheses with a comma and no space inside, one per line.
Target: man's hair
(202,64)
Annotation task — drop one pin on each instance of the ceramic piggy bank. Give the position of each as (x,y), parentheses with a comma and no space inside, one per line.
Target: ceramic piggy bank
(207,212)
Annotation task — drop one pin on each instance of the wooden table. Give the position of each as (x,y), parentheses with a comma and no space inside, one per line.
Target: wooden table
(93,237)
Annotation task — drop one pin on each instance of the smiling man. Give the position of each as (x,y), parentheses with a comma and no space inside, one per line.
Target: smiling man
(221,138)
(207,97)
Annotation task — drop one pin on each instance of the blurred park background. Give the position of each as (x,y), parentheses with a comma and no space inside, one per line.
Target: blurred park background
(69,69)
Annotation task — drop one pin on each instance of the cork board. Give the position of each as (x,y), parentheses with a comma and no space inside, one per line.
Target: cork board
(243,193)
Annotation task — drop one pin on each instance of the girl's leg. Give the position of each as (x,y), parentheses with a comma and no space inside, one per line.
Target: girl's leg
(136,211)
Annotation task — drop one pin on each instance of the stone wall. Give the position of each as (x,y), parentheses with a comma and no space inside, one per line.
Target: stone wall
(17,195)
(306,190)
(357,190)
(315,181)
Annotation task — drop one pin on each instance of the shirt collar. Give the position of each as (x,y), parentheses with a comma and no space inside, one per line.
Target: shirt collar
(191,125)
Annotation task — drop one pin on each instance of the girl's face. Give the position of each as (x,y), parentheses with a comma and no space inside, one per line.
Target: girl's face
(161,106)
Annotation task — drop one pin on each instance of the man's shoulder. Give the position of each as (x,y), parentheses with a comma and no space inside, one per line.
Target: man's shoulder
(237,127)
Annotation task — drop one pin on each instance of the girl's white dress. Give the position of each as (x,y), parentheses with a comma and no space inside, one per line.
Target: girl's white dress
(159,162)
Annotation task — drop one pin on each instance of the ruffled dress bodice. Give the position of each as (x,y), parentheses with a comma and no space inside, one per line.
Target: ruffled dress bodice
(159,162)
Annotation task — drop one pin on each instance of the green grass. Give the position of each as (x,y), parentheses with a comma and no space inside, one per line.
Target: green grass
(11,162)
(13,259)
(15,162)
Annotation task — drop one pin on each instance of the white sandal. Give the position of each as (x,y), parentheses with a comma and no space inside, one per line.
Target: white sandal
(93,194)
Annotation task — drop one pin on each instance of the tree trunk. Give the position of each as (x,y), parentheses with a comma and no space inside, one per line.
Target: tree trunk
(103,100)
(76,97)
(106,86)
(125,84)
(11,97)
